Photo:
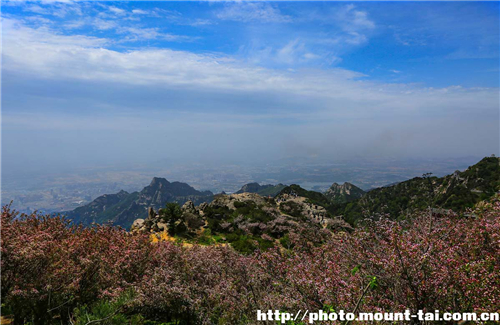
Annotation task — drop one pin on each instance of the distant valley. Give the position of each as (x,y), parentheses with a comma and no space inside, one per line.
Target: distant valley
(66,190)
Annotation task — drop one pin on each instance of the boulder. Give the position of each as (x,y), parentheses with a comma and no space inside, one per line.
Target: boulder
(188,207)
(162,226)
(137,225)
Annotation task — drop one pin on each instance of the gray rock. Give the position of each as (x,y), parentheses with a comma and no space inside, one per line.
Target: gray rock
(137,225)
(161,226)
(188,207)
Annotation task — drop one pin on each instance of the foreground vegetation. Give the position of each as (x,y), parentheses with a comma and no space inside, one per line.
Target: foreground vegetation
(57,273)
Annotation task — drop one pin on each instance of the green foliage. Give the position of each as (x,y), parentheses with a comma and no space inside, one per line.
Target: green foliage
(172,215)
(205,238)
(265,244)
(286,242)
(292,208)
(110,212)
(373,282)
(107,312)
(250,211)
(244,245)
(271,190)
(312,196)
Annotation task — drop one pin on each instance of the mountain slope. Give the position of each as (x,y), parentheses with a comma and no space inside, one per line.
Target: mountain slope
(123,208)
(311,196)
(264,190)
(457,192)
(344,193)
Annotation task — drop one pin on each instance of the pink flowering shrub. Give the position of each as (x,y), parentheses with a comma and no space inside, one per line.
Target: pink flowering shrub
(430,262)
(201,284)
(427,262)
(49,266)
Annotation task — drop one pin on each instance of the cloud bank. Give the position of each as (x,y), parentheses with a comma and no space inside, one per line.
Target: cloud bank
(79,98)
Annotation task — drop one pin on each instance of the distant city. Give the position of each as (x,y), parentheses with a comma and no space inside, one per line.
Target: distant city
(55,192)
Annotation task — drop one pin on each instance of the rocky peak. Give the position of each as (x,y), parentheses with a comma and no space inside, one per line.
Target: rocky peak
(344,193)
(158,182)
(250,188)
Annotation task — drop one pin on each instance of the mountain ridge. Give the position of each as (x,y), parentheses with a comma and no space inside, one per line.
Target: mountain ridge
(456,191)
(264,190)
(123,208)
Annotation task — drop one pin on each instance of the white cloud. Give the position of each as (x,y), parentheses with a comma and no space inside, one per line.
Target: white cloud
(355,24)
(347,28)
(200,22)
(40,21)
(47,54)
(104,24)
(311,56)
(140,12)
(213,104)
(137,34)
(75,24)
(288,53)
(117,11)
(252,11)
(355,20)
(37,9)
(16,33)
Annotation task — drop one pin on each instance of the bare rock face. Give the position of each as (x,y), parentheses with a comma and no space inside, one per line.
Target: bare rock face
(137,225)
(201,209)
(188,207)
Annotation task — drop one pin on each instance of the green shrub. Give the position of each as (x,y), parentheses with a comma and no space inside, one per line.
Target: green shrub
(106,312)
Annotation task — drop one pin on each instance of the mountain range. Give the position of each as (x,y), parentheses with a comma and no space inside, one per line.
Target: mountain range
(457,191)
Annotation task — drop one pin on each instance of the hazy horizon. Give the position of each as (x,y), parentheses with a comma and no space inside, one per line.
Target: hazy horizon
(89,84)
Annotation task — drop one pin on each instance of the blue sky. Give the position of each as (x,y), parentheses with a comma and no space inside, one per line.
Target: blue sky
(212,80)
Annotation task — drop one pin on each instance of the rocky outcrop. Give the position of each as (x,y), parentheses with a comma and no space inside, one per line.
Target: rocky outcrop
(189,220)
(344,193)
(188,207)
(228,201)
(249,212)
(137,225)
